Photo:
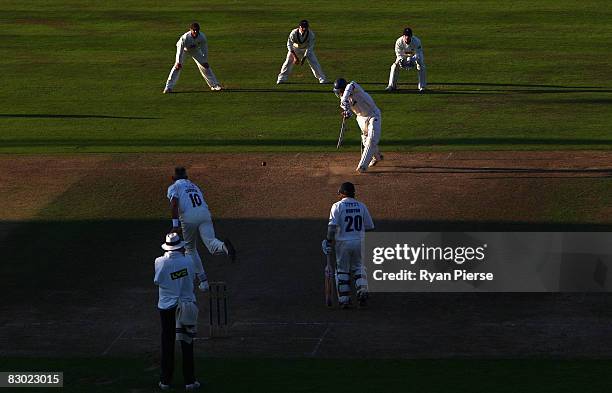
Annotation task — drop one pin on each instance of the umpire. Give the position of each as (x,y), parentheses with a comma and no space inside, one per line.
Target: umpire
(174,275)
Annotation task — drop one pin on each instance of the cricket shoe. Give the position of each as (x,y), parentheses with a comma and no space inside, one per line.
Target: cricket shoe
(390,88)
(323,81)
(193,386)
(422,90)
(361,170)
(163,386)
(376,160)
(229,250)
(216,88)
(167,90)
(345,305)
(280,82)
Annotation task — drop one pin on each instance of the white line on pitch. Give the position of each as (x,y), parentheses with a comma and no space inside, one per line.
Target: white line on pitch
(316,348)
(114,341)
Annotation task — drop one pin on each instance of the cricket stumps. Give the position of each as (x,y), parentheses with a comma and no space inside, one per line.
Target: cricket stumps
(218,312)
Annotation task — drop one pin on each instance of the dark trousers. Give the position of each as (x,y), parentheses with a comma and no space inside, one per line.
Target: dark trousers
(168,336)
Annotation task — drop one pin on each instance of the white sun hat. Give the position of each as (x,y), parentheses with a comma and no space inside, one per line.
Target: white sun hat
(173,242)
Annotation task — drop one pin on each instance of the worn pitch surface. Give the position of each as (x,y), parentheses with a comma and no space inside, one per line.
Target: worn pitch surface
(79,234)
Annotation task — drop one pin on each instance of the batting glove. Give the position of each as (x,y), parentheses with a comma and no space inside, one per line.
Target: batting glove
(346,114)
(326,247)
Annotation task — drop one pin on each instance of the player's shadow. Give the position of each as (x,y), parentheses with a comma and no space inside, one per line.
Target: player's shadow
(65,116)
(278,90)
(490,88)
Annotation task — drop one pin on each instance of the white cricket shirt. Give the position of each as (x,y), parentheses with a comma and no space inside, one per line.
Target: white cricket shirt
(300,41)
(188,43)
(402,49)
(174,275)
(357,100)
(351,219)
(190,197)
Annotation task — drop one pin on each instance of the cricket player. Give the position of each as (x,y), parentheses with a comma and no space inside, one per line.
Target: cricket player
(349,219)
(194,44)
(353,99)
(300,46)
(190,215)
(408,54)
(174,275)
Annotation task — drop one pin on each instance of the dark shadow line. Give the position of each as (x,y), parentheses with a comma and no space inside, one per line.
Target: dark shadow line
(543,177)
(59,116)
(297,142)
(509,169)
(384,83)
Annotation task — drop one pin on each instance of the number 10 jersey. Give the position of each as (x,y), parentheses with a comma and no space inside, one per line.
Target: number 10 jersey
(192,205)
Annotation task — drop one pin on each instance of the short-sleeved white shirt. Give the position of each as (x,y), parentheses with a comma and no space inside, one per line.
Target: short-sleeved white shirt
(351,219)
(190,197)
(174,275)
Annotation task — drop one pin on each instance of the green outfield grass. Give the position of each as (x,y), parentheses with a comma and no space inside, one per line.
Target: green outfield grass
(316,375)
(87,76)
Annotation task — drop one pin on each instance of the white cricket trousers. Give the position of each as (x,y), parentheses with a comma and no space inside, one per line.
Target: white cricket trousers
(199,59)
(315,67)
(370,136)
(200,223)
(348,262)
(420,66)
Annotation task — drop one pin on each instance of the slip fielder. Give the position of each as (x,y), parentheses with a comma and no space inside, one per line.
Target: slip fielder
(349,219)
(353,99)
(190,215)
(408,54)
(300,47)
(194,44)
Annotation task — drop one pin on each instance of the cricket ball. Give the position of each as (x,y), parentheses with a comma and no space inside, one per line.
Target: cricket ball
(263,163)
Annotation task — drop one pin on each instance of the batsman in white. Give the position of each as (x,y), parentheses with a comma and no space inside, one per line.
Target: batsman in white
(300,46)
(189,210)
(194,44)
(353,99)
(349,219)
(408,54)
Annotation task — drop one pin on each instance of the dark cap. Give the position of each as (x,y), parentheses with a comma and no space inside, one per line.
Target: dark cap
(304,23)
(180,173)
(195,26)
(408,31)
(347,189)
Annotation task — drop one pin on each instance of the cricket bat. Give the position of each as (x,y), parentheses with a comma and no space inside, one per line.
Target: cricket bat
(342,130)
(329,281)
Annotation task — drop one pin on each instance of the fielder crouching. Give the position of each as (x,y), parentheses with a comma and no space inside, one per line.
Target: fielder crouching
(349,219)
(353,99)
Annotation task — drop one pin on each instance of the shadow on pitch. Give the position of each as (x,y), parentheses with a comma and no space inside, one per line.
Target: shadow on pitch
(598,172)
(64,116)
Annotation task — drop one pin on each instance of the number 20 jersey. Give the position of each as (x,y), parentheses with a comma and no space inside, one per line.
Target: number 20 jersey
(190,197)
(351,219)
